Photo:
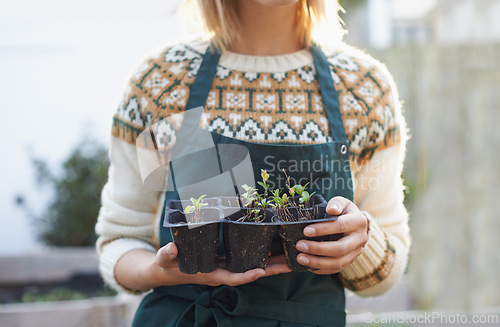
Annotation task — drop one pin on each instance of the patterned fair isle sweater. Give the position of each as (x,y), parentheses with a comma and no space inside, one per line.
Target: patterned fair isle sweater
(265,99)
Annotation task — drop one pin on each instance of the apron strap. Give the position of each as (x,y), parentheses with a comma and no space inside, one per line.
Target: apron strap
(198,93)
(329,94)
(200,89)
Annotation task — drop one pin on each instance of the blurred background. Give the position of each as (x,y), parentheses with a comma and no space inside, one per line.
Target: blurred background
(64,64)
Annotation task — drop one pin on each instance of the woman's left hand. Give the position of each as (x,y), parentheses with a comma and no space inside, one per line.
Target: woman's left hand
(332,257)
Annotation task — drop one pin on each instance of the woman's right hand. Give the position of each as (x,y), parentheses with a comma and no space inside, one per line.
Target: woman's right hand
(142,270)
(166,261)
(168,273)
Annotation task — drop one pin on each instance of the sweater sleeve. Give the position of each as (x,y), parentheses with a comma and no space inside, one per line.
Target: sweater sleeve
(128,207)
(378,192)
(132,197)
(128,211)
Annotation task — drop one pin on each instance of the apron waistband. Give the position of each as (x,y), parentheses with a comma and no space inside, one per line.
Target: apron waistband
(224,302)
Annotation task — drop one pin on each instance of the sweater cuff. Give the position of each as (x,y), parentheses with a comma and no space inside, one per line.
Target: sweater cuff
(111,253)
(375,263)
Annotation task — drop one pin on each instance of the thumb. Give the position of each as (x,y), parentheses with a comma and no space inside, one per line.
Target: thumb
(166,255)
(338,205)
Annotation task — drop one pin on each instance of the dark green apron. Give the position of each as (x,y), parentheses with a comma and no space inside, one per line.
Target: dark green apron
(292,299)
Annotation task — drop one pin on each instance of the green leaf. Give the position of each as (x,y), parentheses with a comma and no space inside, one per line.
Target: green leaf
(298,189)
(264,175)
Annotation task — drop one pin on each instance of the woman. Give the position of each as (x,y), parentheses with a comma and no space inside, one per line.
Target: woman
(271,83)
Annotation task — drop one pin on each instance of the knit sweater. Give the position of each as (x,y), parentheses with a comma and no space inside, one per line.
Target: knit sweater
(265,99)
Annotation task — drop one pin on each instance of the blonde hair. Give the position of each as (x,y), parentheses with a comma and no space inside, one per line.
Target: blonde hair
(318,21)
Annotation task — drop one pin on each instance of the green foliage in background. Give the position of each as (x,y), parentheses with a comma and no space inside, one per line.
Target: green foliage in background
(70,217)
(57,294)
(64,294)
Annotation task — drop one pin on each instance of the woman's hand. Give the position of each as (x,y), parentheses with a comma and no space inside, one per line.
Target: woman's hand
(167,272)
(142,270)
(332,257)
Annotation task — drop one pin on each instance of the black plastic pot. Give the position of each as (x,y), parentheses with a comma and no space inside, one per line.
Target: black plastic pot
(292,231)
(197,243)
(247,243)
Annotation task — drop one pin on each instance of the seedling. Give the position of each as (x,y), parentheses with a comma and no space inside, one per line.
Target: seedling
(196,208)
(280,203)
(249,195)
(256,203)
(296,197)
(304,197)
(265,177)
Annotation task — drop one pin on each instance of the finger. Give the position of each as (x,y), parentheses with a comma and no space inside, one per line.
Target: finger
(234,279)
(277,265)
(335,249)
(324,271)
(328,263)
(339,205)
(346,224)
(277,268)
(166,255)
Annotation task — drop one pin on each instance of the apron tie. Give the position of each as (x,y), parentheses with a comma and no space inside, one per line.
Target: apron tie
(214,303)
(215,306)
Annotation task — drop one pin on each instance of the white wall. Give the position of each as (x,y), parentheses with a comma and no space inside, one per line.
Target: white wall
(379,23)
(462,21)
(63,64)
